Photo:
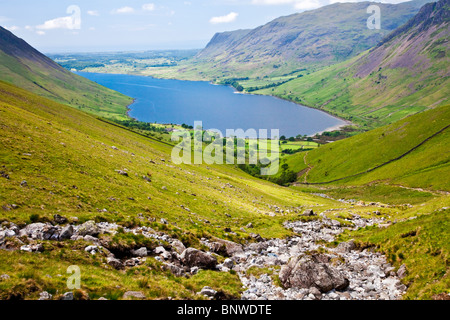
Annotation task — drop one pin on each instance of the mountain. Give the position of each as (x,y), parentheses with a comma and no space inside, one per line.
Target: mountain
(407,72)
(24,66)
(313,38)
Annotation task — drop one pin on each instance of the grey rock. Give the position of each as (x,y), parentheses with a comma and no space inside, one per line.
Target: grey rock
(308,271)
(195,258)
(68,296)
(115,263)
(250,225)
(88,228)
(346,246)
(209,292)
(45,296)
(102,299)
(142,252)
(308,213)
(5,277)
(176,271)
(178,246)
(59,219)
(228,263)
(229,248)
(66,233)
(134,295)
(402,271)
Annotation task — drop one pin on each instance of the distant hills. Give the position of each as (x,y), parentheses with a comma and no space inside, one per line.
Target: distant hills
(24,66)
(407,72)
(318,37)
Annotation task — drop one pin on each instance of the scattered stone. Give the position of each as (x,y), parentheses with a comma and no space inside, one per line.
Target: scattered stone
(68,296)
(134,295)
(4,277)
(102,299)
(402,272)
(45,296)
(60,219)
(164,221)
(228,263)
(208,292)
(250,225)
(24,183)
(122,173)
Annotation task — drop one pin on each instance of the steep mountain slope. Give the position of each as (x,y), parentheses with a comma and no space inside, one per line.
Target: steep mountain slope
(24,66)
(313,38)
(406,73)
(413,152)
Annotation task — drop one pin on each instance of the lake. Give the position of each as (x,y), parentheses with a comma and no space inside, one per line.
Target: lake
(218,107)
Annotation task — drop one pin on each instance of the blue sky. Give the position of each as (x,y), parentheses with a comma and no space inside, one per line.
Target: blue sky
(125,25)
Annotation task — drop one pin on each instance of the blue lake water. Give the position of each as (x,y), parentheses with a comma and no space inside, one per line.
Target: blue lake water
(218,107)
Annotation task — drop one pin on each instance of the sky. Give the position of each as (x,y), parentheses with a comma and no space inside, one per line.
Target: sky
(128,25)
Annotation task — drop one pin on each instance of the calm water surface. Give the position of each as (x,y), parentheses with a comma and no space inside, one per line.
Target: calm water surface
(218,107)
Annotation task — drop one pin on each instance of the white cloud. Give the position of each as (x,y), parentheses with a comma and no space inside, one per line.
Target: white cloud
(72,22)
(93,13)
(148,7)
(224,19)
(40,32)
(298,4)
(123,10)
(59,23)
(12,28)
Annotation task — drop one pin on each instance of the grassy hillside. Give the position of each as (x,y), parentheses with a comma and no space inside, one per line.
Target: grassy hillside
(423,139)
(24,66)
(405,74)
(56,159)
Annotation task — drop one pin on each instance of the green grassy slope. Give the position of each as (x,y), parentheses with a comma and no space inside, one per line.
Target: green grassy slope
(67,160)
(407,73)
(424,167)
(23,66)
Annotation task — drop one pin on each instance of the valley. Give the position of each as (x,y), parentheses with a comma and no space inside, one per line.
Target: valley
(358,213)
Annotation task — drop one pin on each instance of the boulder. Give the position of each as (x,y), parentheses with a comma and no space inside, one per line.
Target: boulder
(178,246)
(133,295)
(115,263)
(226,247)
(142,252)
(67,296)
(308,213)
(45,296)
(34,231)
(208,292)
(88,229)
(309,271)
(66,233)
(195,258)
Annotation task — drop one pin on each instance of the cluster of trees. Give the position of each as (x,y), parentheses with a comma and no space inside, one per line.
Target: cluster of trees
(139,125)
(234,83)
(286,177)
(271,85)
